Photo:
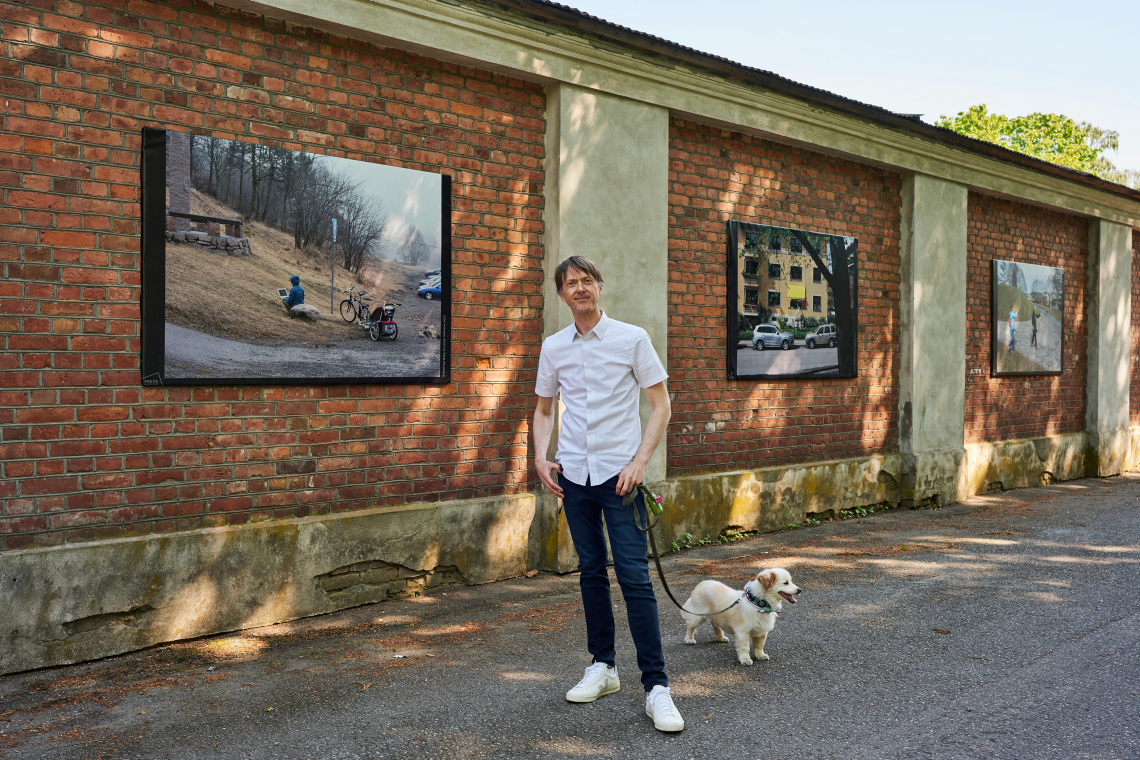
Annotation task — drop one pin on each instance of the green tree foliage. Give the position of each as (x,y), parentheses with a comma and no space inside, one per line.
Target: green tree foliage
(1049,136)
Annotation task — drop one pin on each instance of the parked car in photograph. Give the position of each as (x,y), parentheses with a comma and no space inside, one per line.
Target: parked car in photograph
(433,273)
(769,336)
(824,335)
(430,291)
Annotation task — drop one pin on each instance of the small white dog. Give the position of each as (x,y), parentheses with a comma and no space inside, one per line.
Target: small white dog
(751,619)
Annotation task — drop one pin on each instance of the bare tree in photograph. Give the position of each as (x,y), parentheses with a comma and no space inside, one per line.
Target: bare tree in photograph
(299,194)
(208,155)
(415,250)
(319,193)
(365,224)
(279,186)
(1057,290)
(260,164)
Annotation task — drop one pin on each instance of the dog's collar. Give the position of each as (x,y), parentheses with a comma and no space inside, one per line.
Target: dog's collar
(759,603)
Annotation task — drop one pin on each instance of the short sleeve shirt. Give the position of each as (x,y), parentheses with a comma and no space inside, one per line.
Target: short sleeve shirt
(600,376)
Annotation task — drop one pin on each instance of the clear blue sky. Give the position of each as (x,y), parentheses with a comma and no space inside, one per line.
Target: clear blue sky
(1082,60)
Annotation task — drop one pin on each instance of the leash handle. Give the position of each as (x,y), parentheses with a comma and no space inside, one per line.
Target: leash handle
(652,500)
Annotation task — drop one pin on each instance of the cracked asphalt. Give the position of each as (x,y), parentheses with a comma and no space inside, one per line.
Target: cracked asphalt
(1001,628)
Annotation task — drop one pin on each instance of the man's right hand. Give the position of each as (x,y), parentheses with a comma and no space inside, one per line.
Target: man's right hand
(546,474)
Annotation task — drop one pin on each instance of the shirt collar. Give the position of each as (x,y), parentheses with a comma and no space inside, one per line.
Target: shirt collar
(599,329)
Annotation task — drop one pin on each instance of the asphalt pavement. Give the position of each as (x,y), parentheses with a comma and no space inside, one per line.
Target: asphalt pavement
(796,360)
(1002,628)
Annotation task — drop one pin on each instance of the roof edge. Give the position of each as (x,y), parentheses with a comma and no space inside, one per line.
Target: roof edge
(565,16)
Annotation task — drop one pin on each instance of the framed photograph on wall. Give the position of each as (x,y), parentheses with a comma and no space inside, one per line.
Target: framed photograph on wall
(265,265)
(1027,320)
(793,303)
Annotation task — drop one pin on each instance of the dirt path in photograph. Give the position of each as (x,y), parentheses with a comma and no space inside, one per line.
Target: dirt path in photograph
(1047,352)
(194,354)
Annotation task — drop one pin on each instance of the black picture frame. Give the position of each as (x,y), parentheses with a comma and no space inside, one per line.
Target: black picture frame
(1041,350)
(153,303)
(806,250)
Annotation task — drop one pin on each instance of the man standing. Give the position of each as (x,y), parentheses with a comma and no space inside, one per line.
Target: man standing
(1033,338)
(600,365)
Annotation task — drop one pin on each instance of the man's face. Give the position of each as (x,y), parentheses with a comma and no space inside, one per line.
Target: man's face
(580,291)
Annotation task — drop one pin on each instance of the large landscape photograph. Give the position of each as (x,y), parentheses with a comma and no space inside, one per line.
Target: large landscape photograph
(793,303)
(289,266)
(1028,319)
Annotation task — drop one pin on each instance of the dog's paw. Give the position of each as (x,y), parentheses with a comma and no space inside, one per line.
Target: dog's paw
(721,638)
(746,660)
(763,657)
(690,640)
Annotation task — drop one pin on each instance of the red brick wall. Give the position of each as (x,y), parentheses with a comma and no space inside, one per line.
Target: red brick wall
(719,424)
(1134,380)
(1015,407)
(85,451)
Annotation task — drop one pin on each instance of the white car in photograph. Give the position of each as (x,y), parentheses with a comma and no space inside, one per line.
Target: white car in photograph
(769,336)
(824,335)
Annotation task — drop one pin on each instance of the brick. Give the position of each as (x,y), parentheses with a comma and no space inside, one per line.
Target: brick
(1011,407)
(69,243)
(718,424)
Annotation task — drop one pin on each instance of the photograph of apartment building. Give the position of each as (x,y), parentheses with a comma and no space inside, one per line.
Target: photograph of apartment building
(778,279)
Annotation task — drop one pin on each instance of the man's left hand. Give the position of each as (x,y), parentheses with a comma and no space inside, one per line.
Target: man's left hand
(632,475)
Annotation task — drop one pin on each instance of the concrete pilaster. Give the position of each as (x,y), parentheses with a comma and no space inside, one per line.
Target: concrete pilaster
(607,183)
(1109,346)
(607,199)
(932,375)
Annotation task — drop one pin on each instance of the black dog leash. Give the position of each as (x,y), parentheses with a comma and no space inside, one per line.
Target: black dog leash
(655,500)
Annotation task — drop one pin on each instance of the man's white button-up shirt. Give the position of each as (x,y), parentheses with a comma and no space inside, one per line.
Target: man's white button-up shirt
(601,375)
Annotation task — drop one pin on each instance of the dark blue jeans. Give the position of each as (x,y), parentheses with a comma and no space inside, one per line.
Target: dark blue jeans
(584,507)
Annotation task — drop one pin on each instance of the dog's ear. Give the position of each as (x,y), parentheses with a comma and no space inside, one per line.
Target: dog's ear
(767,579)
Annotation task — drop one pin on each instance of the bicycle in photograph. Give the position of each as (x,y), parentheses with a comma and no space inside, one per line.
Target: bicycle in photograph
(355,307)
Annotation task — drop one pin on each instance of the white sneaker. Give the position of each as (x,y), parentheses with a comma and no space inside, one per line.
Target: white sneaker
(600,680)
(659,706)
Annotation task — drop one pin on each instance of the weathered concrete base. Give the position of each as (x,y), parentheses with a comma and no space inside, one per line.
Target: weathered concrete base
(83,601)
(551,547)
(745,500)
(774,497)
(1132,461)
(1020,464)
(930,479)
(1108,452)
